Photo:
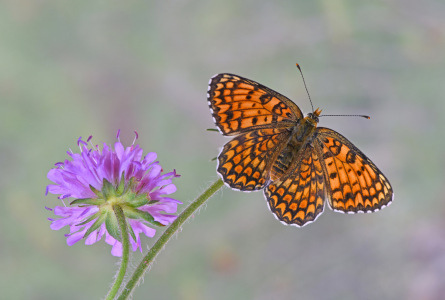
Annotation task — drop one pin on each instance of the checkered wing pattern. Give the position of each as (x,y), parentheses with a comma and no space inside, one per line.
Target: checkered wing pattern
(298,198)
(239,105)
(245,162)
(354,183)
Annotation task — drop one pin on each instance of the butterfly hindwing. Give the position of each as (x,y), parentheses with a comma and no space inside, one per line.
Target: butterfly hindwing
(298,198)
(245,162)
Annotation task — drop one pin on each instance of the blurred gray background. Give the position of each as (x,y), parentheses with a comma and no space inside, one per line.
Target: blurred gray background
(80,68)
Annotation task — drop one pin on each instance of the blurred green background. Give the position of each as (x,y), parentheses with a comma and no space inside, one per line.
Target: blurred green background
(80,68)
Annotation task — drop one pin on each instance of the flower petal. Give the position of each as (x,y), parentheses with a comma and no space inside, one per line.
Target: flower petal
(75,237)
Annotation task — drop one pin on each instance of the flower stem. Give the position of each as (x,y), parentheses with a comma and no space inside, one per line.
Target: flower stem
(125,251)
(163,239)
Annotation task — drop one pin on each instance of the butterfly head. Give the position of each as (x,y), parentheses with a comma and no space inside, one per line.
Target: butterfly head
(313,117)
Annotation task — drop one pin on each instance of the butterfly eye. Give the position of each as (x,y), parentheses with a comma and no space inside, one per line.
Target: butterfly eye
(313,117)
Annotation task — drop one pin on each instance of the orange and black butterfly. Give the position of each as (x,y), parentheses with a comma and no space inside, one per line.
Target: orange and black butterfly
(298,164)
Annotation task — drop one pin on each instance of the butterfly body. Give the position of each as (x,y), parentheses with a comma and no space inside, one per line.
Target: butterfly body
(298,164)
(300,134)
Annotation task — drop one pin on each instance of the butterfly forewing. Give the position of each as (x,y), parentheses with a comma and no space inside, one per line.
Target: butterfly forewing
(355,184)
(239,105)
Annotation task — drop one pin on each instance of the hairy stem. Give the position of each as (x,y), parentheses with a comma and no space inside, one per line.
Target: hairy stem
(125,252)
(164,238)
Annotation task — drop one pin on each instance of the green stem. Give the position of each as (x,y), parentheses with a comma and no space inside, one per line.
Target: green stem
(163,239)
(125,251)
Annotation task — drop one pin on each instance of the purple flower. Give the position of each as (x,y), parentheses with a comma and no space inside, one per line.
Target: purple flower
(95,180)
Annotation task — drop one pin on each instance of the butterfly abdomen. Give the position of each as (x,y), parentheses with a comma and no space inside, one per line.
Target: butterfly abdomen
(285,158)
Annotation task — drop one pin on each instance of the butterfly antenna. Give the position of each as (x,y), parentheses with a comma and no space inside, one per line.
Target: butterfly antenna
(298,66)
(363,116)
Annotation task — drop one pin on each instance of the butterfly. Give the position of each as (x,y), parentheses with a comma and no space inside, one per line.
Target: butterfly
(297,164)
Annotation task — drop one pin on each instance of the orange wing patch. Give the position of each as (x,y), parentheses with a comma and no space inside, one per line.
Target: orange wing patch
(239,104)
(298,198)
(355,184)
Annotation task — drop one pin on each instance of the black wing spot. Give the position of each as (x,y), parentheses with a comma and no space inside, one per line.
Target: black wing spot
(350,157)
